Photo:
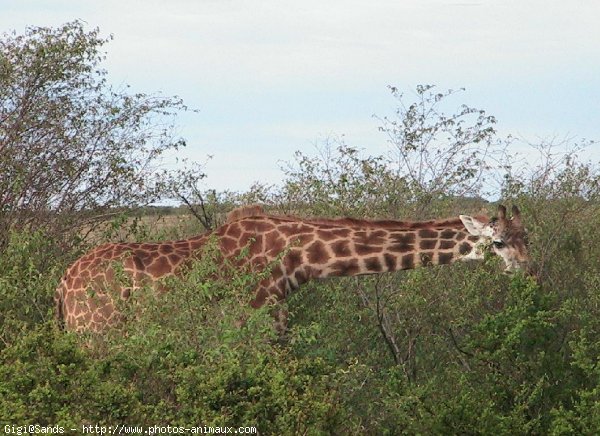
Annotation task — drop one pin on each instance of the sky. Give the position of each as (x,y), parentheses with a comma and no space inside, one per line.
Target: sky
(271,77)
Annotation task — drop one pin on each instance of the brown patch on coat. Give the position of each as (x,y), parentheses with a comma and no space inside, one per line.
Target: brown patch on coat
(428,244)
(390,261)
(408,261)
(428,234)
(370,237)
(445,258)
(344,268)
(341,248)
(292,260)
(159,267)
(363,249)
(465,248)
(402,242)
(256,225)
(317,253)
(448,234)
(373,264)
(234,230)
(446,245)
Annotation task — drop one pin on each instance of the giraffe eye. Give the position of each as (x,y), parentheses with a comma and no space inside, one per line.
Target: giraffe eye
(499,244)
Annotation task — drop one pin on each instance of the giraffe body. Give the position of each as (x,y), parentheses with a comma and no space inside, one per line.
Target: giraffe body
(298,250)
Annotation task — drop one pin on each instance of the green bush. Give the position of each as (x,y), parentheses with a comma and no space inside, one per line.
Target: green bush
(476,351)
(181,360)
(30,266)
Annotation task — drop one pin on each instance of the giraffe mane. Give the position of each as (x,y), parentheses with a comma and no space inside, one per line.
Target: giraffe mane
(453,223)
(255,210)
(245,212)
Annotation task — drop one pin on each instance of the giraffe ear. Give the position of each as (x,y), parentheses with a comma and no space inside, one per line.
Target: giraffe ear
(473,225)
(516,219)
(501,212)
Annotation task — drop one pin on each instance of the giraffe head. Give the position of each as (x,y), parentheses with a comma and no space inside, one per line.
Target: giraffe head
(501,236)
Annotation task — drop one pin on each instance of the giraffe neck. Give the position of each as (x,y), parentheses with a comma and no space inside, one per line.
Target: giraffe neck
(320,248)
(372,251)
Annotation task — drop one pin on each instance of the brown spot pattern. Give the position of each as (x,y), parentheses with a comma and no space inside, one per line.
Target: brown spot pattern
(293,260)
(363,249)
(464,248)
(370,238)
(448,234)
(341,248)
(373,264)
(428,234)
(446,245)
(256,225)
(408,261)
(326,235)
(234,230)
(317,253)
(345,268)
(445,258)
(390,262)
(428,244)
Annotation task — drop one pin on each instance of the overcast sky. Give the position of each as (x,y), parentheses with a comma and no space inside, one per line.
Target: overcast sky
(270,77)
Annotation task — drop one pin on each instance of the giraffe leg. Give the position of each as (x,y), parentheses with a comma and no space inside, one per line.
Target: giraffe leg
(59,311)
(272,296)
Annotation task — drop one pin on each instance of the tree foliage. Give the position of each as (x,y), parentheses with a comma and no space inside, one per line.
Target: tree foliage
(340,180)
(433,156)
(439,153)
(69,142)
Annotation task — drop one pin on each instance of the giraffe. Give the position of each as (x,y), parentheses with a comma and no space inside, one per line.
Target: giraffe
(301,249)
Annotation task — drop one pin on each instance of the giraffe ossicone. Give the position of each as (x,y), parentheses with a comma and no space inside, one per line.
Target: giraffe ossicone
(300,249)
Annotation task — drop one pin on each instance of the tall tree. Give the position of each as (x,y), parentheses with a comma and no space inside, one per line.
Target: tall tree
(72,145)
